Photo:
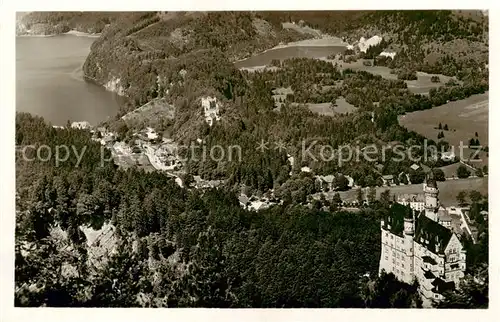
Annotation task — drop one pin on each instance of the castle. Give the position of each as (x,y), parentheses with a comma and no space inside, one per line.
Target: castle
(415,245)
(210,109)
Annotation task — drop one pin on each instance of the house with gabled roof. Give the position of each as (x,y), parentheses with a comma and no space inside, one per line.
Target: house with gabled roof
(414,167)
(417,246)
(326,182)
(388,179)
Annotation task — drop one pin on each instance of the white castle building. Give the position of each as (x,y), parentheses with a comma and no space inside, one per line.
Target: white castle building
(416,246)
(210,109)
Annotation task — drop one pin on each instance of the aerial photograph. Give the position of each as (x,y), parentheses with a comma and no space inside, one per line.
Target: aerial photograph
(252,159)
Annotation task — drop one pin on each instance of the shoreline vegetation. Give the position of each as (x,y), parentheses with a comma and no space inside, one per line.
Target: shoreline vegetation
(76,33)
(324,41)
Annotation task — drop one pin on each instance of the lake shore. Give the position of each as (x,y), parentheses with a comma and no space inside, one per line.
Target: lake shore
(325,41)
(82,34)
(50,82)
(71,33)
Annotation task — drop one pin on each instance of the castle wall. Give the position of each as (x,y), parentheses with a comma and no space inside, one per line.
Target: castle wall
(394,256)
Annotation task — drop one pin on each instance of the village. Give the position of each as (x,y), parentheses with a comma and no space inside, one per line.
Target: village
(151,152)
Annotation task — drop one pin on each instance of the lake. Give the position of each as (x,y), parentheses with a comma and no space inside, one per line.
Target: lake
(49,81)
(265,58)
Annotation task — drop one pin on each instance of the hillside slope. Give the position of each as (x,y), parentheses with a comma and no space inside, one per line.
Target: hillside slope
(52,23)
(140,53)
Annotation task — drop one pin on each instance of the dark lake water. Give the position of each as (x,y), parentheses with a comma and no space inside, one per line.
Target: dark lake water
(289,52)
(49,81)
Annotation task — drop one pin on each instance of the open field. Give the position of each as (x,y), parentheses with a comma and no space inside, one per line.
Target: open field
(448,189)
(310,48)
(450,171)
(420,86)
(464,118)
(154,110)
(341,107)
(423,84)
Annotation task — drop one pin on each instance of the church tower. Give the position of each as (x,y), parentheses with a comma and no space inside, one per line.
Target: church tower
(431,193)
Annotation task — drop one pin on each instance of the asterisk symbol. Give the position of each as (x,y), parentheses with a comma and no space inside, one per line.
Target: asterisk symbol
(262,146)
(280,146)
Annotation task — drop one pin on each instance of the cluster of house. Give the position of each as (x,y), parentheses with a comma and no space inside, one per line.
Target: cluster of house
(328,182)
(200,183)
(423,243)
(254,203)
(103,136)
(162,154)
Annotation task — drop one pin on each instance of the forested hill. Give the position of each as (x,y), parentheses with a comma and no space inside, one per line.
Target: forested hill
(142,54)
(51,23)
(175,247)
(138,52)
(182,57)
(170,246)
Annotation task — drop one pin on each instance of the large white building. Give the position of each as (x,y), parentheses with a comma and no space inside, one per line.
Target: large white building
(210,109)
(418,201)
(416,246)
(414,201)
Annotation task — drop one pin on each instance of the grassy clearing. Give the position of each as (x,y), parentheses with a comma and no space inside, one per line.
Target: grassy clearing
(154,110)
(450,171)
(340,107)
(464,119)
(448,189)
(420,86)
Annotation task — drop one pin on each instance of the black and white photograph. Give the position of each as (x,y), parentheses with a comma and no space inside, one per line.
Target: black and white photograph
(251,159)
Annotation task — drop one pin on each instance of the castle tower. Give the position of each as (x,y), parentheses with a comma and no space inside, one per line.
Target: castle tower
(409,230)
(431,193)
(409,223)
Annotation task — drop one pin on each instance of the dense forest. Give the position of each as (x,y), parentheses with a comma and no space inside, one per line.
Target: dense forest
(158,55)
(147,43)
(178,247)
(63,21)
(250,117)
(182,247)
(175,247)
